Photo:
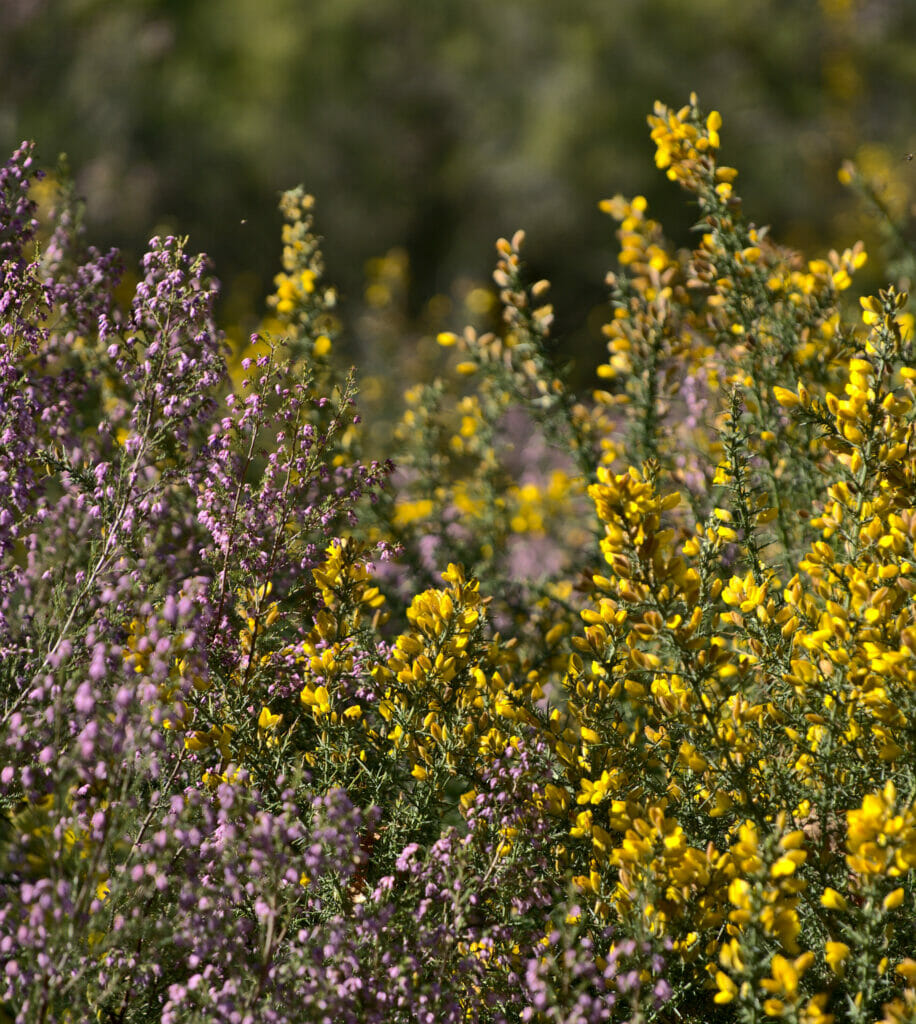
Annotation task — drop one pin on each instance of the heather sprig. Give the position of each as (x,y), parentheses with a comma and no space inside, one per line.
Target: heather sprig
(24,308)
(82,277)
(112,637)
(115,482)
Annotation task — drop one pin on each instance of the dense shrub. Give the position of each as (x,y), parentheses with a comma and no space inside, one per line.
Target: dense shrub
(579,709)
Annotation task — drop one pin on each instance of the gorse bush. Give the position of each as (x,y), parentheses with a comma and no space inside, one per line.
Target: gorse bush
(578,709)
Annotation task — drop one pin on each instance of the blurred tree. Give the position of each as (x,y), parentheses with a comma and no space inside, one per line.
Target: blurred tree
(439,125)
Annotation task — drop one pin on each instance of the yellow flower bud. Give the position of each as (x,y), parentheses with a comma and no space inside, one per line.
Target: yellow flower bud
(786,398)
(893,899)
(832,900)
(836,953)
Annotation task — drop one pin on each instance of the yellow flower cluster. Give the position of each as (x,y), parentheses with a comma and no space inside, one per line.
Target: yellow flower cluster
(349,600)
(728,698)
(651,339)
(764,897)
(734,740)
(531,506)
(685,145)
(464,436)
(291,289)
(303,307)
(447,699)
(881,838)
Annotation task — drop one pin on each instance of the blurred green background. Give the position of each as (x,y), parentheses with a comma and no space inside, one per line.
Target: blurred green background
(437,125)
